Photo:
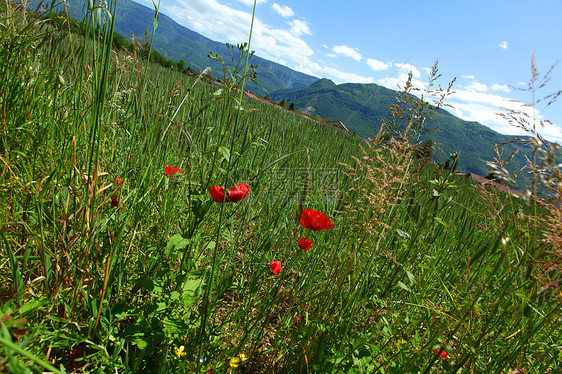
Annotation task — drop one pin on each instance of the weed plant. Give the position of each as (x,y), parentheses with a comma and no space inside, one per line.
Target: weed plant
(115,257)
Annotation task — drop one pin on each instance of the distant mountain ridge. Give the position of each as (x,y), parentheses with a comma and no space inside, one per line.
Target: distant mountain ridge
(363,107)
(177,42)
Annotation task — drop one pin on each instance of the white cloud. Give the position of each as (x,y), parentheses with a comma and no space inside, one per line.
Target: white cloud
(477,87)
(481,87)
(407,68)
(275,44)
(377,65)
(282,10)
(477,106)
(500,87)
(251,2)
(214,20)
(224,24)
(503,45)
(484,108)
(397,81)
(346,51)
(335,74)
(299,27)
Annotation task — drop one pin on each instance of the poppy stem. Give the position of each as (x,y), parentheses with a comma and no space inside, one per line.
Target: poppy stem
(105,278)
(262,329)
(305,189)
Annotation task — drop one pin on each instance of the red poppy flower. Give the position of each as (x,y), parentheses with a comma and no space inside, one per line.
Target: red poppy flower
(314,220)
(118,181)
(441,353)
(235,194)
(275,267)
(114,202)
(305,243)
(171,170)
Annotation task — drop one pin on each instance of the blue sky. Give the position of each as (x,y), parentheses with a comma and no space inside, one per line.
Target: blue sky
(486,45)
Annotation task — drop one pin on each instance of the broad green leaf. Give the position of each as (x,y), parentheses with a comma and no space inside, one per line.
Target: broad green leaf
(225,153)
(177,242)
(174,295)
(411,277)
(140,343)
(161,307)
(403,286)
(31,305)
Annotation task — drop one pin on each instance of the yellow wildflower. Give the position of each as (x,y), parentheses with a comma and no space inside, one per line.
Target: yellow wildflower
(234,362)
(180,351)
(243,357)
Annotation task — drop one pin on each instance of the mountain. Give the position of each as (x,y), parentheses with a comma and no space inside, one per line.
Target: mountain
(176,42)
(362,108)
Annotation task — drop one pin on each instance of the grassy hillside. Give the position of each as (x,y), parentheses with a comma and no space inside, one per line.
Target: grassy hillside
(364,107)
(154,223)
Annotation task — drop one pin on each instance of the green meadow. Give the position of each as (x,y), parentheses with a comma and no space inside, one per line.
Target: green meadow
(115,257)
